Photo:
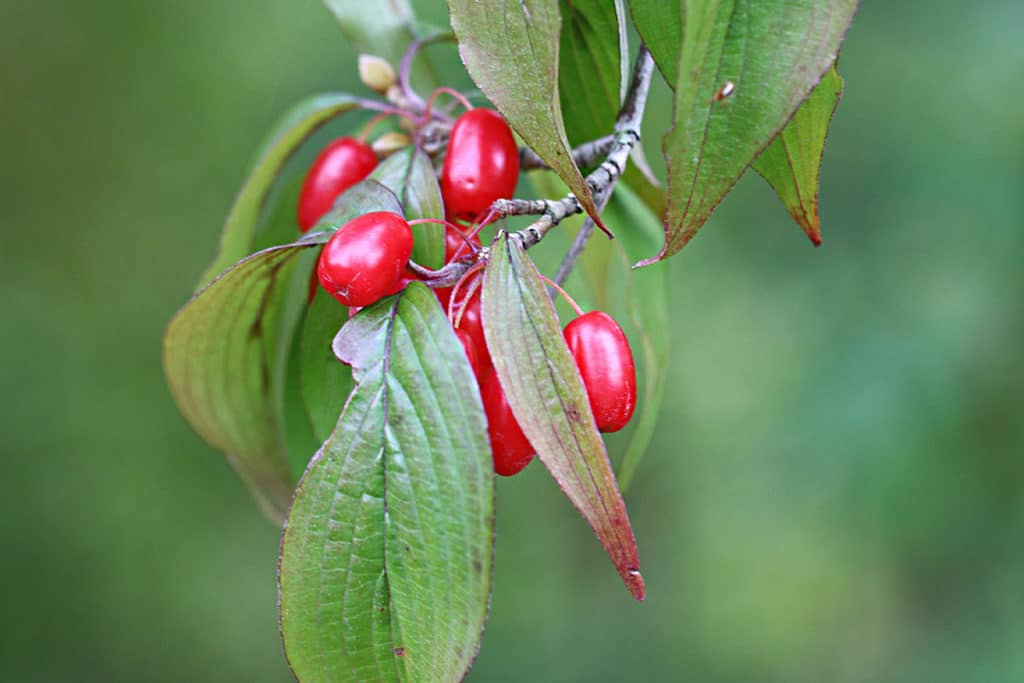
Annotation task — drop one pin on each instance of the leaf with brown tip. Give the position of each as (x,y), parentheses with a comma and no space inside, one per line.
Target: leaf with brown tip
(547,397)
(792,163)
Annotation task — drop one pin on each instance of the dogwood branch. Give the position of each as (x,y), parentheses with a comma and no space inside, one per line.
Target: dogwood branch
(584,155)
(553,211)
(602,181)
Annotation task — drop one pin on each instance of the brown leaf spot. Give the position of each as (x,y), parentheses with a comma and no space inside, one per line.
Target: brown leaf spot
(399,651)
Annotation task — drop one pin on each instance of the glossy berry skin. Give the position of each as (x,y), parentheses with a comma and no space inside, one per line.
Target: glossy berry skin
(364,260)
(509,447)
(471,355)
(472,324)
(482,164)
(605,361)
(341,164)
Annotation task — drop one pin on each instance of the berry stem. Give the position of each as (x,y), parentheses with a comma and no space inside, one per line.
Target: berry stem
(410,99)
(459,97)
(565,295)
(474,284)
(372,123)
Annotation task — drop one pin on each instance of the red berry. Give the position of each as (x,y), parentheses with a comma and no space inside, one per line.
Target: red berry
(509,446)
(471,355)
(482,164)
(472,324)
(341,164)
(363,261)
(605,361)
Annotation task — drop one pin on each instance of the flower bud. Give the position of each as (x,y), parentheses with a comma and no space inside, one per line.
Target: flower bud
(389,143)
(376,73)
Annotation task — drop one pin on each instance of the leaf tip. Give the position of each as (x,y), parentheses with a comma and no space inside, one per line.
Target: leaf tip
(635,583)
(650,261)
(809,223)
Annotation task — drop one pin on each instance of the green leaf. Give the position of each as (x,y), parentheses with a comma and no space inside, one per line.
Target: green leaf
(410,175)
(510,48)
(325,381)
(792,162)
(224,356)
(295,128)
(592,66)
(771,53)
(381,29)
(363,197)
(386,558)
(660,25)
(547,397)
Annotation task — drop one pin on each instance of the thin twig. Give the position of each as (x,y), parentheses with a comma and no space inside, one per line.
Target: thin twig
(584,155)
(630,117)
(602,180)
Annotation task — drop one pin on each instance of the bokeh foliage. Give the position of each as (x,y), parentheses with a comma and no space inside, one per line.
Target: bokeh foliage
(836,488)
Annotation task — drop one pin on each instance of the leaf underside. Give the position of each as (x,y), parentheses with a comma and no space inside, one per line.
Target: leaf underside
(547,397)
(792,162)
(510,49)
(224,356)
(386,557)
(770,54)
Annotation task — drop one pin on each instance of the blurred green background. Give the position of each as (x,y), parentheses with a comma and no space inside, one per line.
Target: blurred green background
(836,491)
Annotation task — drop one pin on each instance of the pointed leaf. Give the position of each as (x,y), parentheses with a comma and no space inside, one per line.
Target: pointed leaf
(660,25)
(224,356)
(386,558)
(510,48)
(592,66)
(547,397)
(792,162)
(769,54)
(295,128)
(410,175)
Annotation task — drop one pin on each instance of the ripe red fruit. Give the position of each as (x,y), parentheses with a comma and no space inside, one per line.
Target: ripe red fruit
(509,447)
(605,361)
(363,261)
(471,355)
(341,164)
(472,324)
(482,164)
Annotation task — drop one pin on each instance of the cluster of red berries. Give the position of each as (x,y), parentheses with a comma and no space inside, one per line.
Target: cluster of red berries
(367,259)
